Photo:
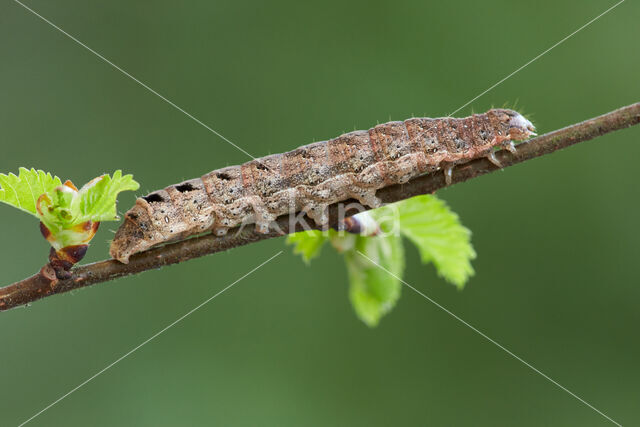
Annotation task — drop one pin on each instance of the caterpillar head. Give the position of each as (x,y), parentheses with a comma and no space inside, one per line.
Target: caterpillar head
(511,123)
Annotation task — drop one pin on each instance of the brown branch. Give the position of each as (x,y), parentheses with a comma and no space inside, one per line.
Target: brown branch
(45,282)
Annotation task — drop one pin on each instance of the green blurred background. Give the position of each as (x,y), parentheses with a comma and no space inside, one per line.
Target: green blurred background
(556,277)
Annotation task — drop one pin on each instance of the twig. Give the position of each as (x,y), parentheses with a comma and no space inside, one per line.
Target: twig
(45,283)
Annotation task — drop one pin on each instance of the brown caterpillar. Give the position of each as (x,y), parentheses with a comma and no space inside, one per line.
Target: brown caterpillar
(314,176)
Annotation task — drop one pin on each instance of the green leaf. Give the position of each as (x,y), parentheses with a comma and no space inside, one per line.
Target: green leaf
(437,233)
(307,243)
(66,212)
(23,191)
(372,290)
(424,220)
(96,200)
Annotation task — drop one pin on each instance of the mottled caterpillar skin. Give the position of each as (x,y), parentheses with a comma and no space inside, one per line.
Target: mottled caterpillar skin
(314,176)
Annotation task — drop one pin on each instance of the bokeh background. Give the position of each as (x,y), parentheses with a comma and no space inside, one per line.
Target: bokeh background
(557,237)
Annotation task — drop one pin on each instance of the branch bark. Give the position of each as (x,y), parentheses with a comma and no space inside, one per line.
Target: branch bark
(45,283)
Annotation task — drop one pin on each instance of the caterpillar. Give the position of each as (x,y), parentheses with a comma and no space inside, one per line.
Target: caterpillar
(309,178)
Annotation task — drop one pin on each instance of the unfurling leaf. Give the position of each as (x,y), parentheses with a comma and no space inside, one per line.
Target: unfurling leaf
(307,243)
(424,220)
(372,290)
(96,200)
(68,217)
(23,191)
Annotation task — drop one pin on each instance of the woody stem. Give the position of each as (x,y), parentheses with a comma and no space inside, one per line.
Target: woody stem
(44,283)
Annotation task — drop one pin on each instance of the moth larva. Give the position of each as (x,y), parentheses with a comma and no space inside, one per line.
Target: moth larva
(314,176)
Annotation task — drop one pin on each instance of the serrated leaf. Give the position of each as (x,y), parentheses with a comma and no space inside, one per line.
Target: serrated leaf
(23,191)
(68,215)
(307,243)
(96,200)
(372,290)
(438,234)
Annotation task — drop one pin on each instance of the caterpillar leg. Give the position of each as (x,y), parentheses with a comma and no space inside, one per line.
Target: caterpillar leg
(493,159)
(448,174)
(262,216)
(504,142)
(318,213)
(509,146)
(406,167)
(263,221)
(366,196)
(220,231)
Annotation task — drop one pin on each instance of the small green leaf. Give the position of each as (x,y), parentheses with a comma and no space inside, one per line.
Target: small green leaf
(96,200)
(23,191)
(424,220)
(372,290)
(438,234)
(307,243)
(69,215)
